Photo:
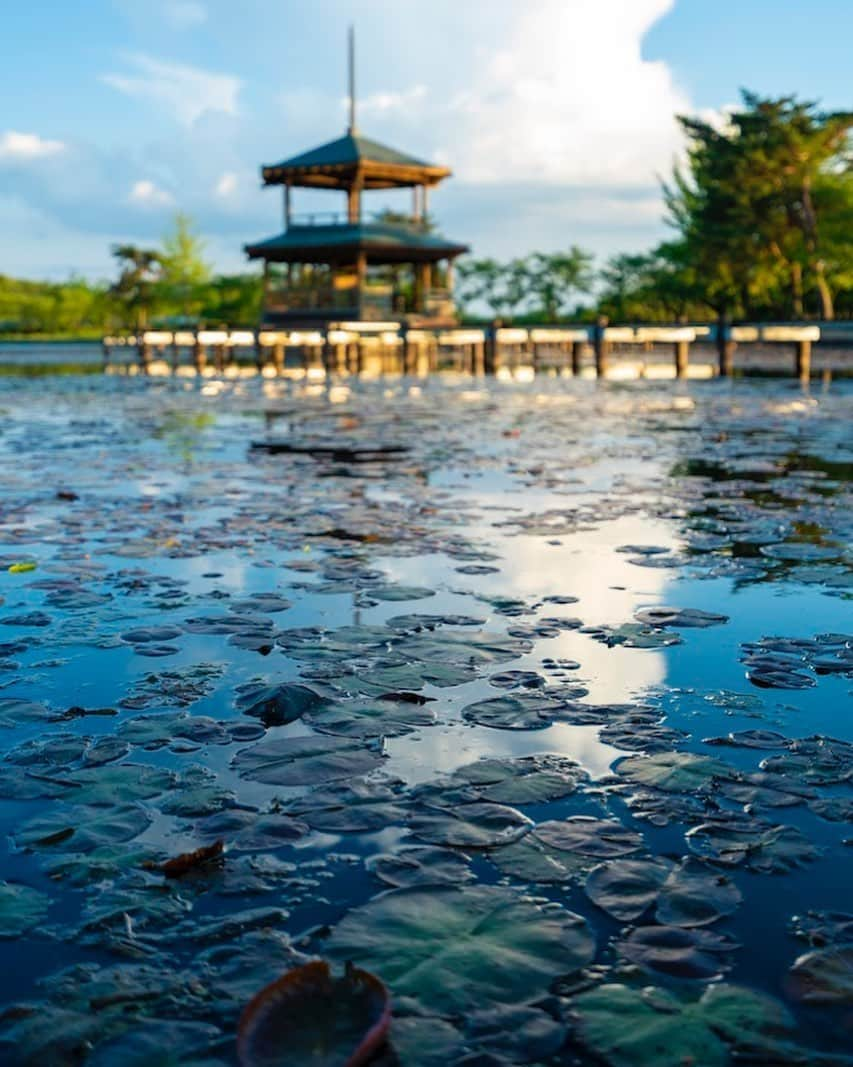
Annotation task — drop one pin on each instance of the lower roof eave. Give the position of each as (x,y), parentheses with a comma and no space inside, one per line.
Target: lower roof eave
(376,254)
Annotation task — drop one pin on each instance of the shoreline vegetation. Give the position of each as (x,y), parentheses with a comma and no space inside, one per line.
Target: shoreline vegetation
(761,212)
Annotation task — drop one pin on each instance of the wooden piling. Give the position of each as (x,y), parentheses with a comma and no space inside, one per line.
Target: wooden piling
(681,351)
(804,360)
(601,347)
(199,356)
(577,357)
(725,348)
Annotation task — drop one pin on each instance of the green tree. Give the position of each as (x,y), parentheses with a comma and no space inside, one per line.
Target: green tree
(764,204)
(135,288)
(484,281)
(552,277)
(184,270)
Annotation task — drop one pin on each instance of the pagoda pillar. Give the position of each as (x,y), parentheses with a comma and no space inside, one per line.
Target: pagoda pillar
(354,200)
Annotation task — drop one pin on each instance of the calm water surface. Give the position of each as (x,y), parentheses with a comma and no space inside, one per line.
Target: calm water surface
(178,609)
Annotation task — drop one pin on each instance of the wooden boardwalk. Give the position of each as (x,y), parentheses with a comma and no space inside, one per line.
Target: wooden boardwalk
(383,348)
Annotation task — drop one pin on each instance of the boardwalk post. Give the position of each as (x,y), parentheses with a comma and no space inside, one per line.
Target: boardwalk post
(725,348)
(681,350)
(144,351)
(601,346)
(577,352)
(199,356)
(804,360)
(490,355)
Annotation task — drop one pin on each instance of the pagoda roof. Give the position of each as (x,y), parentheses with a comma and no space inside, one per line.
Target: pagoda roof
(336,164)
(382,242)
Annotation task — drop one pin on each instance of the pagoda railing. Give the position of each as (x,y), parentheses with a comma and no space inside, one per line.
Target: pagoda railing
(339,218)
(375,299)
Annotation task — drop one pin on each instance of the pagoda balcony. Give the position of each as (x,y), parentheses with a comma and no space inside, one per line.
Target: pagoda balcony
(370,303)
(340,218)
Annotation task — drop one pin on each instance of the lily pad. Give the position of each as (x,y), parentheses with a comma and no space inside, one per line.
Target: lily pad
(420,867)
(675,772)
(479,825)
(679,953)
(600,838)
(455,950)
(21,908)
(522,712)
(291,761)
(320,1020)
(652,1028)
(83,829)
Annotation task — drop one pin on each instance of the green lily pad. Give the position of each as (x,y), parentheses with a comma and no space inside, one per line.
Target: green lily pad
(479,825)
(83,829)
(674,772)
(291,761)
(679,953)
(627,888)
(370,718)
(651,1028)
(600,838)
(421,866)
(455,950)
(526,780)
(759,846)
(524,711)
(21,908)
(824,976)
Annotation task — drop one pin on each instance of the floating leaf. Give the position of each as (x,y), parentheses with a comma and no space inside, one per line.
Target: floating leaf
(470,825)
(638,1028)
(420,867)
(21,908)
(627,888)
(455,950)
(590,837)
(676,772)
(83,829)
(305,760)
(309,1017)
(824,976)
(679,953)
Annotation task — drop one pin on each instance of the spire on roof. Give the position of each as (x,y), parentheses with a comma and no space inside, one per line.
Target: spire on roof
(352,126)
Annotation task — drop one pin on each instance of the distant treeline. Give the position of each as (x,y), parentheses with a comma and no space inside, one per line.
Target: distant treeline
(171,285)
(761,211)
(762,219)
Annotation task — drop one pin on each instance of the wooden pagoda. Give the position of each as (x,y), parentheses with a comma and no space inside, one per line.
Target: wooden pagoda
(330,268)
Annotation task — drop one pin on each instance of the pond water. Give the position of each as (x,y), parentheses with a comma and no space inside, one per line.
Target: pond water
(531,699)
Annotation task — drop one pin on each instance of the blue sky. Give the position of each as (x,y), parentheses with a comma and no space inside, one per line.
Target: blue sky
(556,115)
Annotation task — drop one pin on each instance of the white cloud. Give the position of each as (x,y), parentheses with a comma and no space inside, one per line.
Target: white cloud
(27,146)
(388,103)
(183,91)
(568,99)
(184,14)
(147,194)
(226,186)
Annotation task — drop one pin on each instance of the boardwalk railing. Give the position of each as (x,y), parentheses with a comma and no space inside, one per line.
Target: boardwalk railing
(346,347)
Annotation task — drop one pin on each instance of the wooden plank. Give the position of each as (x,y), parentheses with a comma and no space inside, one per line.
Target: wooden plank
(460,337)
(790,333)
(212,337)
(620,334)
(743,333)
(664,334)
(241,337)
(272,337)
(510,336)
(156,337)
(546,336)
